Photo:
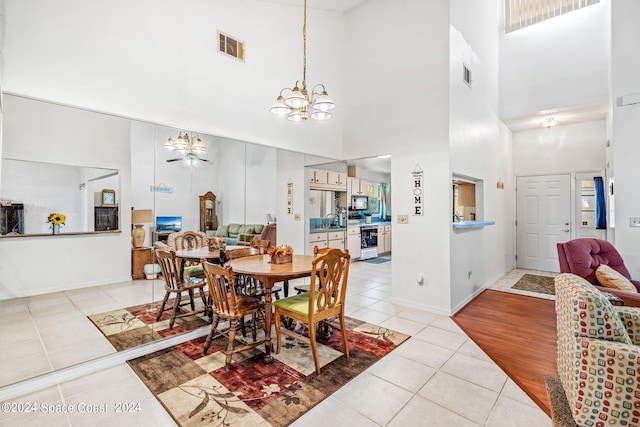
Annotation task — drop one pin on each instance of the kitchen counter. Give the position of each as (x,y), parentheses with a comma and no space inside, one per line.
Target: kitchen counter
(326,229)
(472,224)
(363,224)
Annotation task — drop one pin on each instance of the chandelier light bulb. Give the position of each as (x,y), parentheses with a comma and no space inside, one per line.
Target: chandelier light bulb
(279,107)
(169,144)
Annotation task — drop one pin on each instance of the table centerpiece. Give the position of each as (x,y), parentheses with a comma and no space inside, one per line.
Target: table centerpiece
(282,254)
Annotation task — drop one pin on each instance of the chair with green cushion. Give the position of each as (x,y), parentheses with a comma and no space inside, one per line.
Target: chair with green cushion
(325,299)
(189,240)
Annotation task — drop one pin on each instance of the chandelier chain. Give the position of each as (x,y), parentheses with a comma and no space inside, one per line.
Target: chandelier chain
(304,47)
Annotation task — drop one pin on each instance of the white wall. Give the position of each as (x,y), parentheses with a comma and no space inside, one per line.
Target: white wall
(569,148)
(50,133)
(157,61)
(561,62)
(626,128)
(396,69)
(478,149)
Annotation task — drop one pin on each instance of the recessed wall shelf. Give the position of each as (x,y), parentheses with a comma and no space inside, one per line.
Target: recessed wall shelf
(472,224)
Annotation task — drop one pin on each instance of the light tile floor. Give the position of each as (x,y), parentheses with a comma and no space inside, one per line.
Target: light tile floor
(439,377)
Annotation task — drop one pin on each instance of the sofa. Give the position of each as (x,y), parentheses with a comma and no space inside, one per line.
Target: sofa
(598,353)
(268,233)
(234,233)
(582,257)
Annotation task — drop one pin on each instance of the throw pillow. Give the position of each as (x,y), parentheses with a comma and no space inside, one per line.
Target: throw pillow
(222,231)
(610,278)
(250,230)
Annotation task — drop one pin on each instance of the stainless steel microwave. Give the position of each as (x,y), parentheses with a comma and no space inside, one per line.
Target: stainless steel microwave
(359,203)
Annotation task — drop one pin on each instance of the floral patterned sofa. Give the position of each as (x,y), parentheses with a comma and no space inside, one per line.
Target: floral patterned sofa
(598,354)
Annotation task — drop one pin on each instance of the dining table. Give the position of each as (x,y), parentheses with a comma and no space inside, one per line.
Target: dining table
(261,268)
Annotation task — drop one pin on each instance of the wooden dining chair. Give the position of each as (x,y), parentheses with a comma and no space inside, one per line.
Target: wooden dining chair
(325,299)
(262,245)
(247,285)
(175,283)
(189,240)
(230,306)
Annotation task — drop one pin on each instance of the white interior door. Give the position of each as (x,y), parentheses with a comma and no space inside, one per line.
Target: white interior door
(543,218)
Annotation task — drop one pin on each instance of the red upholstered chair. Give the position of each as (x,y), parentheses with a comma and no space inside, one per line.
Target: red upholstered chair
(583,256)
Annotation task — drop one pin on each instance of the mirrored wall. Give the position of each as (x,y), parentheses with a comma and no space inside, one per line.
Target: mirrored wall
(70,298)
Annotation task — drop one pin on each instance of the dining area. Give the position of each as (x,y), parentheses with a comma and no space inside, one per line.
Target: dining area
(242,288)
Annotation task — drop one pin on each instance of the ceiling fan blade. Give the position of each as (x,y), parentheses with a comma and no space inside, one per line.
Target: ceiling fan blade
(201,159)
(173,160)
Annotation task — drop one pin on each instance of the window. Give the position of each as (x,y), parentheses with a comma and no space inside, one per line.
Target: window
(373,192)
(522,13)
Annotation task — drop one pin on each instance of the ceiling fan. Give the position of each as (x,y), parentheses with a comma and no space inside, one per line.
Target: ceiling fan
(188,158)
(189,146)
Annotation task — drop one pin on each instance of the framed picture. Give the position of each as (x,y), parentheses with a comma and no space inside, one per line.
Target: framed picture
(108,198)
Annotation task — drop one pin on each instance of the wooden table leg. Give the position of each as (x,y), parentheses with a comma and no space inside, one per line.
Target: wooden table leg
(268,319)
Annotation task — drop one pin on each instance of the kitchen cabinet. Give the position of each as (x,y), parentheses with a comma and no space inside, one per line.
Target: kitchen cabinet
(338,179)
(353,242)
(331,239)
(384,239)
(318,177)
(327,180)
(335,239)
(357,186)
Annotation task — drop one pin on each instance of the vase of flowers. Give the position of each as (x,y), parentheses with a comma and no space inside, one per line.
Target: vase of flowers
(56,220)
(216,243)
(280,254)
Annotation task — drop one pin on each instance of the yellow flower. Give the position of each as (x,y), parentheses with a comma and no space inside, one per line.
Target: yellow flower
(57,219)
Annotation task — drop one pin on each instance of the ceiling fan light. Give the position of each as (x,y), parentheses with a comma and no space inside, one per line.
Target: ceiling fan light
(180,142)
(169,144)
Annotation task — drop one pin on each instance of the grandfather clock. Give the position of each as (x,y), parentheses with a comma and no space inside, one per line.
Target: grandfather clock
(208,216)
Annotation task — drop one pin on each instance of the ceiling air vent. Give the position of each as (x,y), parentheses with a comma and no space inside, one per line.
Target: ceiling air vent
(230,46)
(466,76)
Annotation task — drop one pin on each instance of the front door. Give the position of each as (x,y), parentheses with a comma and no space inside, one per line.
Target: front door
(543,218)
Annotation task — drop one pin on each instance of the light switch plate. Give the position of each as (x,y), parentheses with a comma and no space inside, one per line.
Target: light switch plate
(634,221)
(403,219)
(297,217)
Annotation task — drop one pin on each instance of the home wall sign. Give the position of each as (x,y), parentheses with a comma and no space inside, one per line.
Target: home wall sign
(417,191)
(289,197)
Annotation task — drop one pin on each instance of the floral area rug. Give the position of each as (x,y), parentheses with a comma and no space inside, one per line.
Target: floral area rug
(197,390)
(535,283)
(132,326)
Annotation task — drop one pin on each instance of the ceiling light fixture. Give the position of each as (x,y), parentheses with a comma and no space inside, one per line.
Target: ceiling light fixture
(188,145)
(549,122)
(297,104)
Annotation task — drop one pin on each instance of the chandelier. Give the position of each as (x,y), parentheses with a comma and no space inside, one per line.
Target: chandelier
(188,145)
(298,103)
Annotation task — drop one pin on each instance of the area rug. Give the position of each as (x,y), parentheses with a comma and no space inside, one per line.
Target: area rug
(376,260)
(560,411)
(197,390)
(132,326)
(535,283)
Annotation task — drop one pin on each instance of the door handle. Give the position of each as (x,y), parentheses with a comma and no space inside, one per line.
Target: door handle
(566,230)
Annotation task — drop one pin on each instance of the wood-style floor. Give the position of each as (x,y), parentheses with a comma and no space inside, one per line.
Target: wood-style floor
(519,334)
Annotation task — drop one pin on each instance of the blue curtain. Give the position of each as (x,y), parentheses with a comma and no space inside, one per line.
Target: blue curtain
(383,200)
(601,211)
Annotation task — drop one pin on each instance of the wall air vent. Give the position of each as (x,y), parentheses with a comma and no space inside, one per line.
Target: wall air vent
(466,75)
(230,46)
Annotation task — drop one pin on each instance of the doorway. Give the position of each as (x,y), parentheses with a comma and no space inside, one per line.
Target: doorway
(543,218)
